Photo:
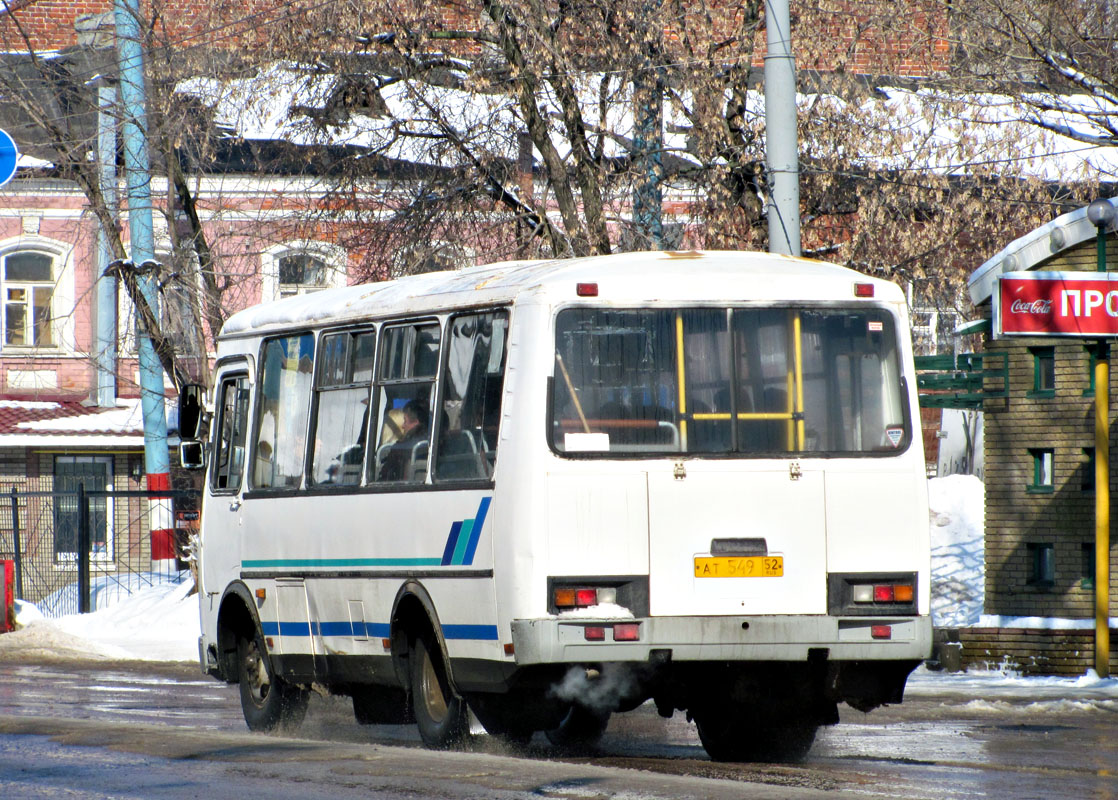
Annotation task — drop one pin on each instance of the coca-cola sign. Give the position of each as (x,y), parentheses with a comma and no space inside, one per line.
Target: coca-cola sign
(1057,304)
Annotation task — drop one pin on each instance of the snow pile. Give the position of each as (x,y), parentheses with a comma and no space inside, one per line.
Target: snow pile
(957,515)
(156,623)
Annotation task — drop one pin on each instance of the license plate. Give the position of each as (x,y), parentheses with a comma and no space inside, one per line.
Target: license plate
(739,566)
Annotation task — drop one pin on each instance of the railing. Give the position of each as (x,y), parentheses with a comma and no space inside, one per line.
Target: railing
(74,550)
(961,381)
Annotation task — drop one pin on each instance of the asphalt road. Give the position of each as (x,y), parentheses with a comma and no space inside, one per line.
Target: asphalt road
(80,730)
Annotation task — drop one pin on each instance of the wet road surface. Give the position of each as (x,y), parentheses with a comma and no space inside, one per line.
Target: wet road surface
(168,731)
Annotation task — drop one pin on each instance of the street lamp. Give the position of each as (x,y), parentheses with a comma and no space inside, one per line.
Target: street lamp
(1101,214)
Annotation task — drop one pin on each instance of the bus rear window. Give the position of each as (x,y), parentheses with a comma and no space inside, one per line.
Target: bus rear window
(762,382)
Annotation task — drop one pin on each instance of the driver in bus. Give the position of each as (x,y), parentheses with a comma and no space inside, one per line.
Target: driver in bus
(413,428)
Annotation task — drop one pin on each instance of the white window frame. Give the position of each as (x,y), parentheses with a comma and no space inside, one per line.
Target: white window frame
(333,256)
(62,297)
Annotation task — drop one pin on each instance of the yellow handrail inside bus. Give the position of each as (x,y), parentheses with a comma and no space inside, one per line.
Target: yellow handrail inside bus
(798,366)
(574,395)
(682,382)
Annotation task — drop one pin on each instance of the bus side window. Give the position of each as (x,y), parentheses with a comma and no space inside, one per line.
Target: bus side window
(472,389)
(284,406)
(403,392)
(232,425)
(342,399)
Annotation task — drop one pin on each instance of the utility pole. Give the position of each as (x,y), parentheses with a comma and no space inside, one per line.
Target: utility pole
(648,137)
(142,241)
(781,140)
(106,338)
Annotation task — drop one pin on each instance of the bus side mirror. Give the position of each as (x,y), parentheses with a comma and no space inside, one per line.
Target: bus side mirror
(190,411)
(192,455)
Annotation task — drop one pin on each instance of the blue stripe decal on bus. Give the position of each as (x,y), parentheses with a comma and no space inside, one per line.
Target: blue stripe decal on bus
(372,630)
(475,534)
(451,543)
(463,541)
(485,632)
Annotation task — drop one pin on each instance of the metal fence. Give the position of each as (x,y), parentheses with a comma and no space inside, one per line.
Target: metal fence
(77,551)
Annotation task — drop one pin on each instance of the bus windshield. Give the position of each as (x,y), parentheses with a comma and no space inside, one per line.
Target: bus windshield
(757,381)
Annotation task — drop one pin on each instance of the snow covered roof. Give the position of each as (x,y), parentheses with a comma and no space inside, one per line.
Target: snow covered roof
(27,423)
(1055,138)
(1032,249)
(628,277)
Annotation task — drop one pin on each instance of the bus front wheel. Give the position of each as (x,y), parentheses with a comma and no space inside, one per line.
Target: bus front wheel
(267,701)
(440,715)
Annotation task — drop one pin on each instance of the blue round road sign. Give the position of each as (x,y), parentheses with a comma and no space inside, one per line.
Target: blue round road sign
(9,155)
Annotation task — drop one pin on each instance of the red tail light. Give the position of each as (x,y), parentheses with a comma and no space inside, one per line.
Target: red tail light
(883,593)
(627,632)
(881,631)
(594,633)
(586,597)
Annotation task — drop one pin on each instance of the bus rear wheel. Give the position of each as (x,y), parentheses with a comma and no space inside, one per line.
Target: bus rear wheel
(731,735)
(581,727)
(268,702)
(440,714)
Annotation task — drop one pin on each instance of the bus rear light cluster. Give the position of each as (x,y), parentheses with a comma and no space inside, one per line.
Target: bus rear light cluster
(882,593)
(881,631)
(622,632)
(568,597)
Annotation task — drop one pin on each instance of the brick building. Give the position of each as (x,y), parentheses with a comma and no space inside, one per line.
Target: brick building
(1039,472)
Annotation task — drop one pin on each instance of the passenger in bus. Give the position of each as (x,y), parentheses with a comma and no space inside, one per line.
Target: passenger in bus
(413,426)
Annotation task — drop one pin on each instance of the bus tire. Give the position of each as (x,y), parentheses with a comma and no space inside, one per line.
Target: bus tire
(735,735)
(268,702)
(440,714)
(581,727)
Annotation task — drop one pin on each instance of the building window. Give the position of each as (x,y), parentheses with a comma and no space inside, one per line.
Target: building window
(301,273)
(1087,480)
(301,268)
(1092,360)
(1042,562)
(1044,371)
(1042,471)
(28,278)
(1087,562)
(95,474)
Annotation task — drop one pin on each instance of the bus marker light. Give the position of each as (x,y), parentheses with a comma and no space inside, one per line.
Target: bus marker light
(863,593)
(586,289)
(881,631)
(594,633)
(586,597)
(386,644)
(627,632)
(863,290)
(902,593)
(268,641)
(883,593)
(510,649)
(261,594)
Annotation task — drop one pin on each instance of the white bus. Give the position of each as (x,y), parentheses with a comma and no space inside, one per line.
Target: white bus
(545,492)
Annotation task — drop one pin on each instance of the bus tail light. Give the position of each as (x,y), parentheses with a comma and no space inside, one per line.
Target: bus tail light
(881,631)
(567,597)
(594,633)
(627,632)
(882,593)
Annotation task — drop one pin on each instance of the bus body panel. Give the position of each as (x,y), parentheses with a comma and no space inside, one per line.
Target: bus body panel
(779,511)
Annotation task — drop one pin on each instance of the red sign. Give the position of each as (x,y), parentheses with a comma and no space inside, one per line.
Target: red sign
(1057,304)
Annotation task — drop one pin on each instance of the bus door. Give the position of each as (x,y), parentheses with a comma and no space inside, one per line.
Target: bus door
(743,529)
(223,528)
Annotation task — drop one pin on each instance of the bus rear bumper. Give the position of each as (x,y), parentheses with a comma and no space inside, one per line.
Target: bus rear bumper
(726,639)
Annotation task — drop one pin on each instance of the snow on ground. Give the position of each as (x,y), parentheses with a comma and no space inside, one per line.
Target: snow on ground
(957,514)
